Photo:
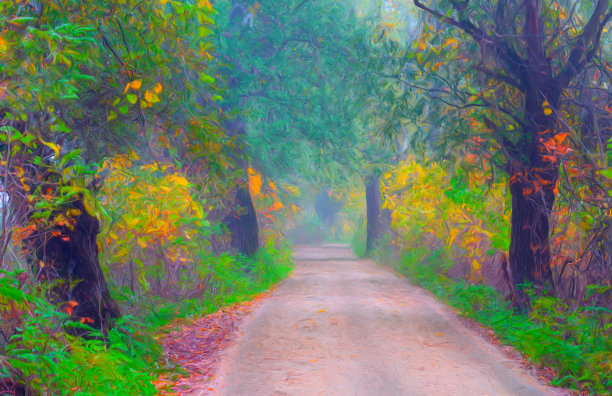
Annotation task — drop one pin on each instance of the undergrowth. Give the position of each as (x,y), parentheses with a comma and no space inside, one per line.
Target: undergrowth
(42,356)
(235,279)
(358,242)
(575,342)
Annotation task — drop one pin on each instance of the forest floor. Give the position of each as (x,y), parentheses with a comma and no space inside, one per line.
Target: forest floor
(344,326)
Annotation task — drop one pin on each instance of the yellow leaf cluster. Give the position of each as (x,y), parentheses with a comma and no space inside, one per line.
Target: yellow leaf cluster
(204,4)
(421,207)
(156,213)
(255,182)
(4,47)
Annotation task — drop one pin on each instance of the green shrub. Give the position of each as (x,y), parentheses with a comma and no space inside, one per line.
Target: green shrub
(46,359)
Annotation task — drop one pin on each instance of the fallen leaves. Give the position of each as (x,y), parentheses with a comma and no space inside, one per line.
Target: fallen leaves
(196,346)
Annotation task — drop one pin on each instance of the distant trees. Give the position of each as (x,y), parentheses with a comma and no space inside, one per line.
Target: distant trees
(297,71)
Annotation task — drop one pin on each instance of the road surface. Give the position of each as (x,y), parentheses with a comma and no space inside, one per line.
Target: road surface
(344,326)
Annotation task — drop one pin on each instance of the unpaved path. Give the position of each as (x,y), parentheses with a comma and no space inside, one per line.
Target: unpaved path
(342,326)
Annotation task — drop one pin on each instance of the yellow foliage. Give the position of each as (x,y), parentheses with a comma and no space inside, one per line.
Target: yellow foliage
(158,219)
(136,84)
(204,3)
(268,201)
(255,182)
(151,97)
(3,46)
(52,146)
(426,208)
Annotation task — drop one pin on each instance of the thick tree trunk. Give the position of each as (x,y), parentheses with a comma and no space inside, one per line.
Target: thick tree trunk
(67,258)
(533,182)
(533,187)
(376,218)
(532,201)
(242,223)
(242,219)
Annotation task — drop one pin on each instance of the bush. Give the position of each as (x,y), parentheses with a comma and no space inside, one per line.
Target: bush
(43,357)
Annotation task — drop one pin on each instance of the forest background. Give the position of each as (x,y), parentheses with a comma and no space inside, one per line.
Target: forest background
(156,155)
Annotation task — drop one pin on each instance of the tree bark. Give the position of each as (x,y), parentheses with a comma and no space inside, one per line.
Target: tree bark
(376,224)
(242,219)
(67,258)
(533,182)
(242,222)
(532,201)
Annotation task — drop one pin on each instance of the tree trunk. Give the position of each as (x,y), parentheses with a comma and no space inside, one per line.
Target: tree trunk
(533,186)
(242,219)
(242,222)
(533,183)
(532,201)
(67,258)
(376,224)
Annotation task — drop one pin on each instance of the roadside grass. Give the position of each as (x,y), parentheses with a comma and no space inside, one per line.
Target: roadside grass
(575,342)
(43,358)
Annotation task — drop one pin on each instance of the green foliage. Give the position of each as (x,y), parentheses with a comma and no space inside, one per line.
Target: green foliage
(45,358)
(576,342)
(449,204)
(358,242)
(236,278)
(96,73)
(296,75)
(233,279)
(154,227)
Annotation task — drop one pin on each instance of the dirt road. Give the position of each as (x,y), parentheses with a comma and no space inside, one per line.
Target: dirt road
(342,326)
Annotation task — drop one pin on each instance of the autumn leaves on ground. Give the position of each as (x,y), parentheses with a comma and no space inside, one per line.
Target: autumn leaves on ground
(160,160)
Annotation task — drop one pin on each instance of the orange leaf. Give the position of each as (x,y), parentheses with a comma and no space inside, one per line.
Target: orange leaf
(136,84)
(255,182)
(560,137)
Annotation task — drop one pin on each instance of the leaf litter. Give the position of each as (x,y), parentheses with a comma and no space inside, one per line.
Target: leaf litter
(196,346)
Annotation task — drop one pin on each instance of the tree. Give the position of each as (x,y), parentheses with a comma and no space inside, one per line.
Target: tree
(81,81)
(390,118)
(294,77)
(529,54)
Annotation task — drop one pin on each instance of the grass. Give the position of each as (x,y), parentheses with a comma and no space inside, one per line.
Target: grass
(576,343)
(46,360)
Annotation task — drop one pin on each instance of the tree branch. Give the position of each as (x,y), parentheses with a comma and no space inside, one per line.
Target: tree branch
(500,77)
(502,49)
(295,9)
(107,44)
(586,44)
